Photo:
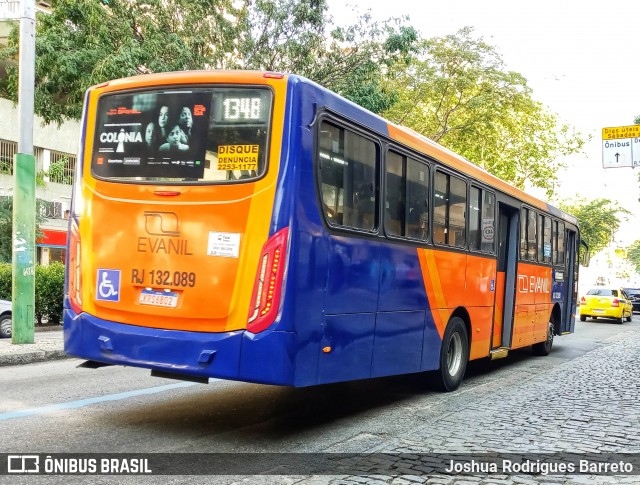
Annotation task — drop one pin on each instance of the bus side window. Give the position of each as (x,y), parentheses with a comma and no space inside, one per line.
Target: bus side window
(449,210)
(488,226)
(440,198)
(417,200)
(474,219)
(348,177)
(532,236)
(546,239)
(394,201)
(559,254)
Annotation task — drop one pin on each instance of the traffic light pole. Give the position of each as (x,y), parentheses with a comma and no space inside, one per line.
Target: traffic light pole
(24,193)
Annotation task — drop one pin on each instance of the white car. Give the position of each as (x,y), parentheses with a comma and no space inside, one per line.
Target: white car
(5,319)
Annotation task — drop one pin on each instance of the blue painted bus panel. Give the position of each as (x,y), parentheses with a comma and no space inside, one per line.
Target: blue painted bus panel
(350,341)
(192,353)
(354,267)
(401,285)
(431,345)
(397,348)
(267,357)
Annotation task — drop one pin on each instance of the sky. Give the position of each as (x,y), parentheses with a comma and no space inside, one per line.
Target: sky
(581,58)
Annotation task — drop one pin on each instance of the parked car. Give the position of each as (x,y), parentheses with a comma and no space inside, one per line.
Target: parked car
(5,319)
(634,294)
(602,302)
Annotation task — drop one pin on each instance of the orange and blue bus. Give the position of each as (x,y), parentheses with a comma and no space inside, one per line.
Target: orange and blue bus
(256,226)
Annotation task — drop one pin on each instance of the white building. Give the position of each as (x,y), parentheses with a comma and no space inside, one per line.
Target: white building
(54,148)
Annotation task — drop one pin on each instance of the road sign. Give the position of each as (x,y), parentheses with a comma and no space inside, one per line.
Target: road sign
(635,152)
(621,146)
(617,153)
(619,132)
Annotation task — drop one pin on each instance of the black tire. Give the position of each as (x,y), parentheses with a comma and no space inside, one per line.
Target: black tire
(583,318)
(620,321)
(5,326)
(454,355)
(544,348)
(629,318)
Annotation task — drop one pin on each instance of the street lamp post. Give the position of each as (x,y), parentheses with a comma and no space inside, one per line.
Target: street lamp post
(24,194)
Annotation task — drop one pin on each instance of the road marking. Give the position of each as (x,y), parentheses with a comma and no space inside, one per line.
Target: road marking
(94,400)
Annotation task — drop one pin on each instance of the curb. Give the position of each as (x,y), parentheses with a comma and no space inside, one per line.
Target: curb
(22,358)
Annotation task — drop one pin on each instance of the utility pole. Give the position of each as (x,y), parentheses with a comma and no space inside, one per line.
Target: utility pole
(24,183)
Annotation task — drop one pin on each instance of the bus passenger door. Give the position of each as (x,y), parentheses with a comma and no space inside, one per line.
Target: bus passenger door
(508,222)
(569,295)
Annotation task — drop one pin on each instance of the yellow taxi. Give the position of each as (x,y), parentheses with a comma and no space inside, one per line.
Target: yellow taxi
(602,302)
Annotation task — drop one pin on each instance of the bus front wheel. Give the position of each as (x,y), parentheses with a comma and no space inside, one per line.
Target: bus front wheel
(454,355)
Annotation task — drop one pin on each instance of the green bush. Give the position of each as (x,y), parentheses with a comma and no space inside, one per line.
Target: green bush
(5,281)
(49,294)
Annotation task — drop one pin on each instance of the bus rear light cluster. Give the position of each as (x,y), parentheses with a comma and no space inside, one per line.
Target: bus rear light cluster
(265,300)
(75,274)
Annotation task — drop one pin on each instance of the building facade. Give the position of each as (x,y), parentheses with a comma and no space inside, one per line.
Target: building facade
(54,150)
(55,153)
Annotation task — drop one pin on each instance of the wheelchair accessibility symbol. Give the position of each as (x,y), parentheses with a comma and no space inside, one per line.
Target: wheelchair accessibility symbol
(108,285)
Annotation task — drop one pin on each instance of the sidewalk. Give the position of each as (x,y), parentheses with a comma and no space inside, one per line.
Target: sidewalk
(48,345)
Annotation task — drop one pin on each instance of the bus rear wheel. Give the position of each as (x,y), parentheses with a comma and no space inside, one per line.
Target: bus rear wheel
(454,355)
(544,348)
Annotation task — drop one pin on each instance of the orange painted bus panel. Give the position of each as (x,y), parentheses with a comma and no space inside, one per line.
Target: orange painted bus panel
(480,281)
(162,242)
(480,331)
(533,304)
(449,288)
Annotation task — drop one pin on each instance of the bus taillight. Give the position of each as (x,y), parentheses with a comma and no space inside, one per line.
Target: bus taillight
(75,275)
(268,286)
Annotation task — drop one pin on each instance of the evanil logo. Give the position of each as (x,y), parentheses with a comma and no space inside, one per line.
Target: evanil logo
(121,137)
(532,284)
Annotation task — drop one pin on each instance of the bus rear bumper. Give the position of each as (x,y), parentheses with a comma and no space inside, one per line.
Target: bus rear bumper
(174,351)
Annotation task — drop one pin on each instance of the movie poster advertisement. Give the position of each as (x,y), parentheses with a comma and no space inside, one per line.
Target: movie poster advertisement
(152,135)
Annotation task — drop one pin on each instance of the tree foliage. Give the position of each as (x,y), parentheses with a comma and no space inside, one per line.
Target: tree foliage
(599,219)
(453,89)
(633,254)
(85,42)
(457,92)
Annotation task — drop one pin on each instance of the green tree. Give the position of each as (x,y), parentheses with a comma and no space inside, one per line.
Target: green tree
(84,42)
(6,226)
(599,219)
(457,92)
(633,254)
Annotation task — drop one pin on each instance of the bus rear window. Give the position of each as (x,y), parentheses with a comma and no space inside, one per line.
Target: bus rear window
(198,135)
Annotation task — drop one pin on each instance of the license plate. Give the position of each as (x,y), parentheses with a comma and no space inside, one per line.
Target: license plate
(159,298)
(598,311)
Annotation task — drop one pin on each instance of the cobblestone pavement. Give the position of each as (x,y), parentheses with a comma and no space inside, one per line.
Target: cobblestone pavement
(588,405)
